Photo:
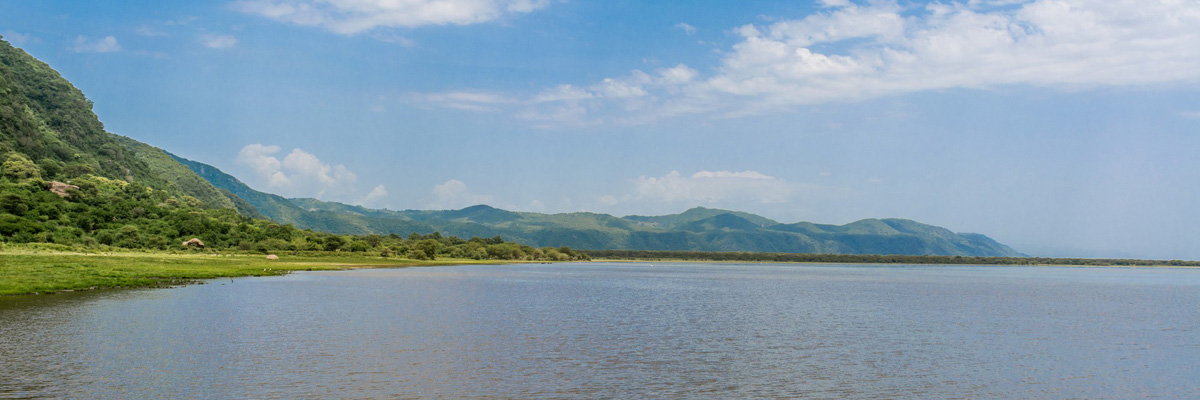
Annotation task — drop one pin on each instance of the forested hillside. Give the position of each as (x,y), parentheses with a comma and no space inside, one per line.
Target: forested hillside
(697,229)
(50,123)
(116,191)
(66,182)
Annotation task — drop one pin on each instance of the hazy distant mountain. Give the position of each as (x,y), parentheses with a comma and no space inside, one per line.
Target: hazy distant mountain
(700,229)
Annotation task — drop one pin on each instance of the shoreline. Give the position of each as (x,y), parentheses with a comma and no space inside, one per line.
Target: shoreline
(45,272)
(26,272)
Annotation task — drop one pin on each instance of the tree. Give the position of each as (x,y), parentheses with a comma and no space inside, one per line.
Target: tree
(50,167)
(14,203)
(334,243)
(426,249)
(17,166)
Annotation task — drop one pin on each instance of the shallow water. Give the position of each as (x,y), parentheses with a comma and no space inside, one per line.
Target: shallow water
(619,331)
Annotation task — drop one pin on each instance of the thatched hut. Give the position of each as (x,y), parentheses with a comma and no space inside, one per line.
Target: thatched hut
(272,257)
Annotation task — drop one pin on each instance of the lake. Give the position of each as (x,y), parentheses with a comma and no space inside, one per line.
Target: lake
(621,331)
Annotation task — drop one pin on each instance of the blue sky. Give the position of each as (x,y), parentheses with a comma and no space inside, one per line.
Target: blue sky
(1060,127)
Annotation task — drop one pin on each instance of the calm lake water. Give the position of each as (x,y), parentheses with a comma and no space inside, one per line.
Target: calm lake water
(622,331)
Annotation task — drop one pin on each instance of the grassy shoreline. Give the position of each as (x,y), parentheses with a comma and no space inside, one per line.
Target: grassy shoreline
(36,271)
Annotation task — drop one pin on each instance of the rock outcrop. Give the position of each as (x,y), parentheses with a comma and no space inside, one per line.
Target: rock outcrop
(61,189)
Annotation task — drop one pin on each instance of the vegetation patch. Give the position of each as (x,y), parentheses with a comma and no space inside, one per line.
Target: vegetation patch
(30,270)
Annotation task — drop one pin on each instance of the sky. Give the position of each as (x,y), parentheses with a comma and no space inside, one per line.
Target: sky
(1058,127)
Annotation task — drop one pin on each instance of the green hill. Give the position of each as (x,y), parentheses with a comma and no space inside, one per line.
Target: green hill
(65,180)
(132,194)
(697,229)
(66,184)
(696,214)
(111,190)
(48,121)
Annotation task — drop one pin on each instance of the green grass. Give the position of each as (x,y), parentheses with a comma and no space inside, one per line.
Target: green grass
(33,270)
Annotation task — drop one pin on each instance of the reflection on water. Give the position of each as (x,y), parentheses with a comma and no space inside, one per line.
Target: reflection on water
(618,331)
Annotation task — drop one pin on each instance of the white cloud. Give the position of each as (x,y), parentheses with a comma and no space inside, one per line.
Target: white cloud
(218,41)
(688,29)
(849,52)
(568,105)
(17,39)
(148,31)
(181,21)
(303,174)
(475,101)
(162,28)
(1190,114)
(836,3)
(107,44)
(747,190)
(350,17)
(257,156)
(728,174)
(394,38)
(709,187)
(375,197)
(453,194)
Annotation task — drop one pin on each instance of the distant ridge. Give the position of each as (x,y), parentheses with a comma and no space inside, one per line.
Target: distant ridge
(129,189)
(696,229)
(48,130)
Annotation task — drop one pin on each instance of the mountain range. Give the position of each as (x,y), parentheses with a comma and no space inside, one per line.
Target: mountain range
(697,229)
(47,127)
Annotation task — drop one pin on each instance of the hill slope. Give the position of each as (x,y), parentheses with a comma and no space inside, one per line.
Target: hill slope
(50,122)
(49,132)
(699,229)
(66,184)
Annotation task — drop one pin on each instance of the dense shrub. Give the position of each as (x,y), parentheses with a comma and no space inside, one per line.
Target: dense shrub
(112,212)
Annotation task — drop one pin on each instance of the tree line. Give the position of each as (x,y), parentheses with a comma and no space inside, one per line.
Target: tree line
(100,213)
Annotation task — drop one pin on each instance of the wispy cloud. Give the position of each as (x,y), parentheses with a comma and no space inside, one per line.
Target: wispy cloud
(742,190)
(477,101)
(848,52)
(350,17)
(17,39)
(688,29)
(454,194)
(375,197)
(149,31)
(1190,114)
(569,105)
(218,41)
(707,187)
(107,44)
(394,38)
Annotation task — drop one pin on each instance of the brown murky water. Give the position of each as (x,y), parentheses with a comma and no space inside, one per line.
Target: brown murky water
(619,331)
